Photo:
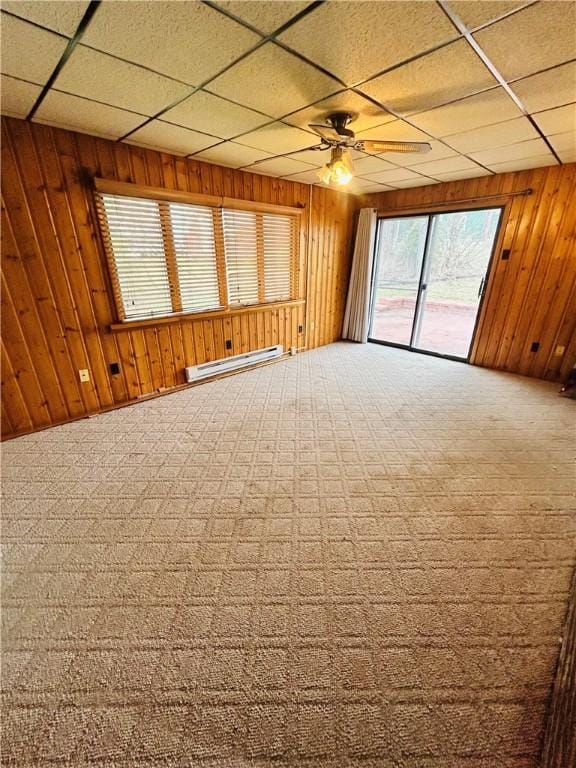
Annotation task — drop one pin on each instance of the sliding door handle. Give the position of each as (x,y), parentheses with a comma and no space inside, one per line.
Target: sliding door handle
(481,289)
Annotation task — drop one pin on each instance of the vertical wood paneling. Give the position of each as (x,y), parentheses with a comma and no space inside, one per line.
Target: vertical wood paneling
(330,234)
(57,299)
(531,297)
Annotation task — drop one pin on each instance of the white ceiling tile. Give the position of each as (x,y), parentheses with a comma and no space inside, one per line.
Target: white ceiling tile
(394,175)
(369,164)
(563,142)
(278,138)
(187,41)
(306,177)
(231,155)
(437,152)
(549,89)
(360,186)
(355,41)
(28,52)
(447,165)
(264,16)
(274,82)
(357,154)
(457,175)
(524,164)
(474,13)
(171,138)
(316,158)
(278,166)
(485,108)
(77,114)
(509,132)
(354,186)
(58,15)
(210,114)
(408,183)
(557,120)
(399,130)
(104,78)
(374,188)
(17,97)
(567,155)
(368,115)
(532,148)
(533,39)
(444,75)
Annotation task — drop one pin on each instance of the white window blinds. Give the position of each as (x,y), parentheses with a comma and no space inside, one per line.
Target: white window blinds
(240,233)
(194,246)
(278,249)
(135,236)
(169,257)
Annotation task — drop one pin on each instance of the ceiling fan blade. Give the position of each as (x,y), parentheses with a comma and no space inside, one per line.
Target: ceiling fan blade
(396,146)
(326,131)
(287,154)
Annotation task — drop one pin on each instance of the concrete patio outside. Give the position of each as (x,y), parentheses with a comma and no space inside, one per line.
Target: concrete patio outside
(447,327)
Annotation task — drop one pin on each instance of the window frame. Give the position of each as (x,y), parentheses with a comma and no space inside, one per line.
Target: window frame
(217,204)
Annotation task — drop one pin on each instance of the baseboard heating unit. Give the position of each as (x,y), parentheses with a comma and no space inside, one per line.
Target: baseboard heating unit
(196,372)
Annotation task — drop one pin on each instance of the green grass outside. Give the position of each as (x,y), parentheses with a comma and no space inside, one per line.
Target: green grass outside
(462,290)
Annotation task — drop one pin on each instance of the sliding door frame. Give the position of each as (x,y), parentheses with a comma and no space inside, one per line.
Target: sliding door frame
(430,214)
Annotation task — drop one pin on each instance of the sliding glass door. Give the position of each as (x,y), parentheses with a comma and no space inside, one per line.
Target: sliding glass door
(430,273)
(400,248)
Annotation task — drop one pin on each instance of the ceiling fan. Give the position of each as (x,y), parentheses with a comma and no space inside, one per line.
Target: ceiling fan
(336,136)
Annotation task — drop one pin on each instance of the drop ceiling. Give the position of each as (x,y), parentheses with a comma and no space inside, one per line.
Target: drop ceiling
(490,84)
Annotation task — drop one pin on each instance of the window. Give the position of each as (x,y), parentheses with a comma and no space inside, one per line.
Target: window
(278,236)
(135,235)
(241,249)
(170,257)
(193,233)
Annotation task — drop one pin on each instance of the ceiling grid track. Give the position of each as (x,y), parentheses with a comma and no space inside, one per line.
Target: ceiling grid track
(328,73)
(72,43)
(494,71)
(463,30)
(249,52)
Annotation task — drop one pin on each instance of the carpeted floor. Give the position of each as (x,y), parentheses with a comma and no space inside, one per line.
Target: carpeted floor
(357,557)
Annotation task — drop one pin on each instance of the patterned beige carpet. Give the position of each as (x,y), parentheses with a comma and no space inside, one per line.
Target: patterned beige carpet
(357,557)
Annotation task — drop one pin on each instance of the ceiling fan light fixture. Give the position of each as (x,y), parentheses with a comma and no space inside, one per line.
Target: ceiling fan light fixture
(325,174)
(339,171)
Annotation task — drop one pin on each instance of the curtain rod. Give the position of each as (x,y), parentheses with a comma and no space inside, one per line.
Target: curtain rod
(523,192)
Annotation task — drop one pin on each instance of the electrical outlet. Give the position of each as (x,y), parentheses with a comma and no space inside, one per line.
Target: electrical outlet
(84,374)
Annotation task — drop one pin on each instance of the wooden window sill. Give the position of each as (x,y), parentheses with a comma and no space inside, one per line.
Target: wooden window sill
(146,322)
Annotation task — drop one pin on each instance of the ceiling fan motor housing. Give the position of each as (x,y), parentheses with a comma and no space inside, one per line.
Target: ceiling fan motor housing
(339,121)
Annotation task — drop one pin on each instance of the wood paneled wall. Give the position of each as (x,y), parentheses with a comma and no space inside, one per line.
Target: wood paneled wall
(57,304)
(331,232)
(531,297)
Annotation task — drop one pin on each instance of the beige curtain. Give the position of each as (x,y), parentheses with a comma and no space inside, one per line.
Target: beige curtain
(357,315)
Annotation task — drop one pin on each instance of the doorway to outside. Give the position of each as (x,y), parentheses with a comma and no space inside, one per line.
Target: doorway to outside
(430,273)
